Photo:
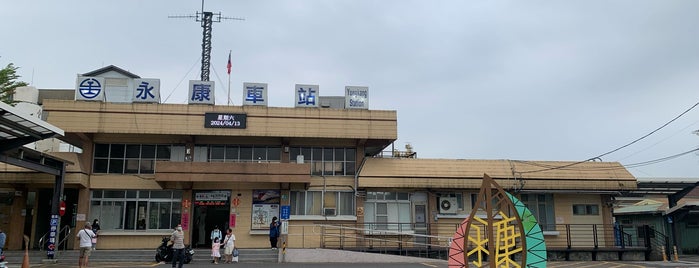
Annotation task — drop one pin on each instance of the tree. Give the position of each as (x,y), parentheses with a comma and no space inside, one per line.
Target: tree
(8,83)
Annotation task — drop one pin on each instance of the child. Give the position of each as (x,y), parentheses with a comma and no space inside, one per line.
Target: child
(216,250)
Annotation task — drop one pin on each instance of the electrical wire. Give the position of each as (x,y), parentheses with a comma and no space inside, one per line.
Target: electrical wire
(617,149)
(183,77)
(633,165)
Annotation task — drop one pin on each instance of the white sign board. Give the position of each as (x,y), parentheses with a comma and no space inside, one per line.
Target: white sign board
(356,97)
(201,92)
(306,96)
(146,90)
(89,88)
(255,94)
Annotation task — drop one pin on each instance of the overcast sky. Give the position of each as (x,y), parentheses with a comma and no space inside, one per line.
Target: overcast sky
(524,80)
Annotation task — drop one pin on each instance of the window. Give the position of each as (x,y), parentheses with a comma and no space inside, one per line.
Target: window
(585,209)
(136,210)
(388,211)
(541,206)
(235,153)
(326,161)
(315,202)
(128,158)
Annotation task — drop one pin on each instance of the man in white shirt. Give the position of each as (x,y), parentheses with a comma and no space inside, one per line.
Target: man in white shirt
(85,235)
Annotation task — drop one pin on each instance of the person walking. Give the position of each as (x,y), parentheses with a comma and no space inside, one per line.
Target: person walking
(85,235)
(96,230)
(216,250)
(273,232)
(229,245)
(177,239)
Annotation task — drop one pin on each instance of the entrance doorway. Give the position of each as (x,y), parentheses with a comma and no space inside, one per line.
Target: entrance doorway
(211,209)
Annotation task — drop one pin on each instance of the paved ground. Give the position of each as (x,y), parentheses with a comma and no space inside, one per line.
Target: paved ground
(345,259)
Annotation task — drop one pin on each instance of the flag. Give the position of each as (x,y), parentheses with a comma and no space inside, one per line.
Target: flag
(229,63)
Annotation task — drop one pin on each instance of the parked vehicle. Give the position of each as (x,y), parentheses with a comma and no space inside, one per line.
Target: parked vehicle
(164,252)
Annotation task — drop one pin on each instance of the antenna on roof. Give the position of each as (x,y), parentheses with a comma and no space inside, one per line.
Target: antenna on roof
(206,18)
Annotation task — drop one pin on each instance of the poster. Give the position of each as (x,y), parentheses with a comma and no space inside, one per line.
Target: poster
(262,215)
(265,205)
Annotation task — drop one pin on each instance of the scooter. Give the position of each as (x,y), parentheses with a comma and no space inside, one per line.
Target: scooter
(164,252)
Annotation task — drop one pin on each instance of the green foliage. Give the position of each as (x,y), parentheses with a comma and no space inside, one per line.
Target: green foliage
(8,83)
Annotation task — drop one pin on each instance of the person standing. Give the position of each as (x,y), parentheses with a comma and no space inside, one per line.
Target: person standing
(96,230)
(216,233)
(3,238)
(229,245)
(85,235)
(177,239)
(274,232)
(215,250)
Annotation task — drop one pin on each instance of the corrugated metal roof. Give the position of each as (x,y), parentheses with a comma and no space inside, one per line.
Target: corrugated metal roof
(536,174)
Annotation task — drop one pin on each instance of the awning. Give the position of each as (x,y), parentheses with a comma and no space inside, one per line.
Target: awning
(18,128)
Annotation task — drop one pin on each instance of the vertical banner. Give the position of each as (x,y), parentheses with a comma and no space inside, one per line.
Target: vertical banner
(232,220)
(53,230)
(185,220)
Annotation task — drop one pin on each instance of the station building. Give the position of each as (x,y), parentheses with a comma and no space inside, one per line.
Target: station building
(142,168)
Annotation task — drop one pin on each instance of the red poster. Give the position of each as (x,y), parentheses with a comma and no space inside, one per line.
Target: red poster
(232,220)
(185,221)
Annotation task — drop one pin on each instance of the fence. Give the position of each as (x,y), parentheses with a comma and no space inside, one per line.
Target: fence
(433,240)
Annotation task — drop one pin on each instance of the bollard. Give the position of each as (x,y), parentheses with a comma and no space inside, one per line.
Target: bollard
(662,249)
(677,258)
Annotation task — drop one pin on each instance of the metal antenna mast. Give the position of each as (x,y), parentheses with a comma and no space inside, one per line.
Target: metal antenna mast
(207,19)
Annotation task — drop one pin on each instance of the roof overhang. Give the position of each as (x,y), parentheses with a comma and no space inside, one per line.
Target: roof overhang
(18,128)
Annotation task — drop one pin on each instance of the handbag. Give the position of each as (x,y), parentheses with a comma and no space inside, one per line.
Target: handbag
(235,252)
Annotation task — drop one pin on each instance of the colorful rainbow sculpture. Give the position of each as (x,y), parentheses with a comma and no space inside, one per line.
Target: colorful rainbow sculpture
(517,239)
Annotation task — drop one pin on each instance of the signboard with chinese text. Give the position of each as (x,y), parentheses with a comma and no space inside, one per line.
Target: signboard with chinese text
(218,120)
(201,92)
(356,97)
(286,212)
(185,220)
(255,94)
(211,198)
(306,95)
(146,90)
(89,88)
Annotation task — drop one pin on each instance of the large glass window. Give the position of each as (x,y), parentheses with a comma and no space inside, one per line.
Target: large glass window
(326,161)
(541,206)
(332,203)
(388,211)
(136,210)
(129,158)
(248,153)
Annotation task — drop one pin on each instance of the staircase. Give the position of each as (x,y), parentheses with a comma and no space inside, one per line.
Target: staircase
(127,255)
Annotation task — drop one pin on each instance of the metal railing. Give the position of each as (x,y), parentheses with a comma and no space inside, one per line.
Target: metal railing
(426,239)
(63,234)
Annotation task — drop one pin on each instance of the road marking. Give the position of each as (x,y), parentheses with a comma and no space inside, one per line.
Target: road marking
(430,265)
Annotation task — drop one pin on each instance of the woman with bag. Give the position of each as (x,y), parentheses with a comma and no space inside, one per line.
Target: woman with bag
(229,246)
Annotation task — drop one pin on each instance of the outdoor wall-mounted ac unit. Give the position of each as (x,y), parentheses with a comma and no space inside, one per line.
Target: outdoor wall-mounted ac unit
(448,205)
(329,211)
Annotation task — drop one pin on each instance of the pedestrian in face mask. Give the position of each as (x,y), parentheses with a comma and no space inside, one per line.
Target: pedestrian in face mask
(177,239)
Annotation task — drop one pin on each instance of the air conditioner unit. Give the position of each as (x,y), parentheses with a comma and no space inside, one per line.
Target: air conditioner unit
(328,211)
(448,205)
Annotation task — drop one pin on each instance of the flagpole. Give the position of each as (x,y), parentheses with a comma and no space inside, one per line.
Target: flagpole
(229,78)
